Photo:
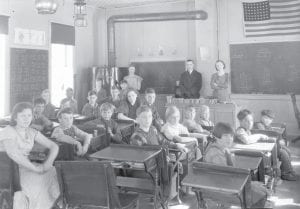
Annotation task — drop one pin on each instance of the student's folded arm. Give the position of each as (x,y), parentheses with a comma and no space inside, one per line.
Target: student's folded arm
(59,135)
(85,137)
(53,148)
(12,151)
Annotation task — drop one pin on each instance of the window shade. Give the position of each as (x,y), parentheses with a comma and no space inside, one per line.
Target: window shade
(62,34)
(4,24)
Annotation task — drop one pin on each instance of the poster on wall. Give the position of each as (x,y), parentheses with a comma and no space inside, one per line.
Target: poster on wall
(29,37)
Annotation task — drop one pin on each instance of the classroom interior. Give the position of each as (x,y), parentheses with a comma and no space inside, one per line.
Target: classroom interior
(74,46)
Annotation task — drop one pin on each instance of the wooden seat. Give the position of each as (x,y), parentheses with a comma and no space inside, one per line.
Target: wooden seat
(91,183)
(9,180)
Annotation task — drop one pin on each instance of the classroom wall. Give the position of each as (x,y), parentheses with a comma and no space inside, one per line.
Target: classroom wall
(23,15)
(142,41)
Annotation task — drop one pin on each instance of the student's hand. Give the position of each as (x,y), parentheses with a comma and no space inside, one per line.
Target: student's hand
(264,137)
(182,147)
(110,132)
(79,148)
(85,149)
(39,168)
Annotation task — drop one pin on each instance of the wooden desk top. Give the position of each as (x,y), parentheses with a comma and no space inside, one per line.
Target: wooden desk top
(227,180)
(264,147)
(247,162)
(128,153)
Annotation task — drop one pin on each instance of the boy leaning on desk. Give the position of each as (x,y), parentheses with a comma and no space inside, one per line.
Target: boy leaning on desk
(244,136)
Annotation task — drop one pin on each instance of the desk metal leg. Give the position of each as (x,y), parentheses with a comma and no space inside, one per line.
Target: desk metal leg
(201,204)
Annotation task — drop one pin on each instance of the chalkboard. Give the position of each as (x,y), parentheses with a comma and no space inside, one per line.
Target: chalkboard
(161,76)
(270,68)
(28,74)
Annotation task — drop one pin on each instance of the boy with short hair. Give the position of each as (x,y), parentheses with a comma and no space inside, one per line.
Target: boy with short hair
(68,133)
(150,96)
(146,133)
(91,109)
(124,89)
(39,121)
(190,123)
(105,123)
(204,119)
(69,101)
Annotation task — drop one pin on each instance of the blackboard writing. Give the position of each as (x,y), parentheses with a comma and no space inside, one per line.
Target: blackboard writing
(270,68)
(28,74)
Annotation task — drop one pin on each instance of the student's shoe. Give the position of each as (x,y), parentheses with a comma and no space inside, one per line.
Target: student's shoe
(289,177)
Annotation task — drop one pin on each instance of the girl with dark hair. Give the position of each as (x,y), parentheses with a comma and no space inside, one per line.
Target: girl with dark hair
(39,185)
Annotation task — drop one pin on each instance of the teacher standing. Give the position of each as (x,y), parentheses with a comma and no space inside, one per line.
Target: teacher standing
(190,81)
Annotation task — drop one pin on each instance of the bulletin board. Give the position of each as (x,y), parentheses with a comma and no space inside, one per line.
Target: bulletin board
(28,74)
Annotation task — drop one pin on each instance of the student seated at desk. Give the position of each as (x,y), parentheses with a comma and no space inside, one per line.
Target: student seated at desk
(114,99)
(243,135)
(68,133)
(178,133)
(204,120)
(219,153)
(91,109)
(38,181)
(147,134)
(266,119)
(150,96)
(190,123)
(39,121)
(105,124)
(69,101)
(49,110)
(124,89)
(128,107)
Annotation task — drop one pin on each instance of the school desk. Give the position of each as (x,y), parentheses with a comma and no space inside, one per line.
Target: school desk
(262,147)
(252,163)
(222,184)
(131,157)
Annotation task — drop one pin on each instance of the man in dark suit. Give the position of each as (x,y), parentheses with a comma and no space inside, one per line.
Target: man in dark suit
(190,81)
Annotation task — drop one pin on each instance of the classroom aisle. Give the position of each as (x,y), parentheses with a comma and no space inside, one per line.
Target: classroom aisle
(287,195)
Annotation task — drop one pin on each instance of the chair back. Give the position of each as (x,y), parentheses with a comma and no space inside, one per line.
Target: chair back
(87,183)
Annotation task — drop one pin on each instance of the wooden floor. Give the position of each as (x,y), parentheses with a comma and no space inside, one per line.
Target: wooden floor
(286,196)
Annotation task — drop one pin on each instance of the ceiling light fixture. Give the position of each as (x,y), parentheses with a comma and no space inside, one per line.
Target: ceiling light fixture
(46,6)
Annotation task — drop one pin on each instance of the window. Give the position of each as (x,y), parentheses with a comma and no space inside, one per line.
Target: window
(62,72)
(3,80)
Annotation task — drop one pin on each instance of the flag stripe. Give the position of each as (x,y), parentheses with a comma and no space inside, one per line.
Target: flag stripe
(285,12)
(284,6)
(284,17)
(272,29)
(272,23)
(273,34)
(271,17)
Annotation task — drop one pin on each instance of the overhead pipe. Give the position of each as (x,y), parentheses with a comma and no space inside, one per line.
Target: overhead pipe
(149,17)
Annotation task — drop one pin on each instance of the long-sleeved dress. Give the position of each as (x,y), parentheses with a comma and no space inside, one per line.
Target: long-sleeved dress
(38,190)
(220,84)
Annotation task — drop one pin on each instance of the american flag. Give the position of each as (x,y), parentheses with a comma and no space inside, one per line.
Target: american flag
(271,17)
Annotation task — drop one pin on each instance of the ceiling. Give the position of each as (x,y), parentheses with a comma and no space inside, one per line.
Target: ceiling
(109,4)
